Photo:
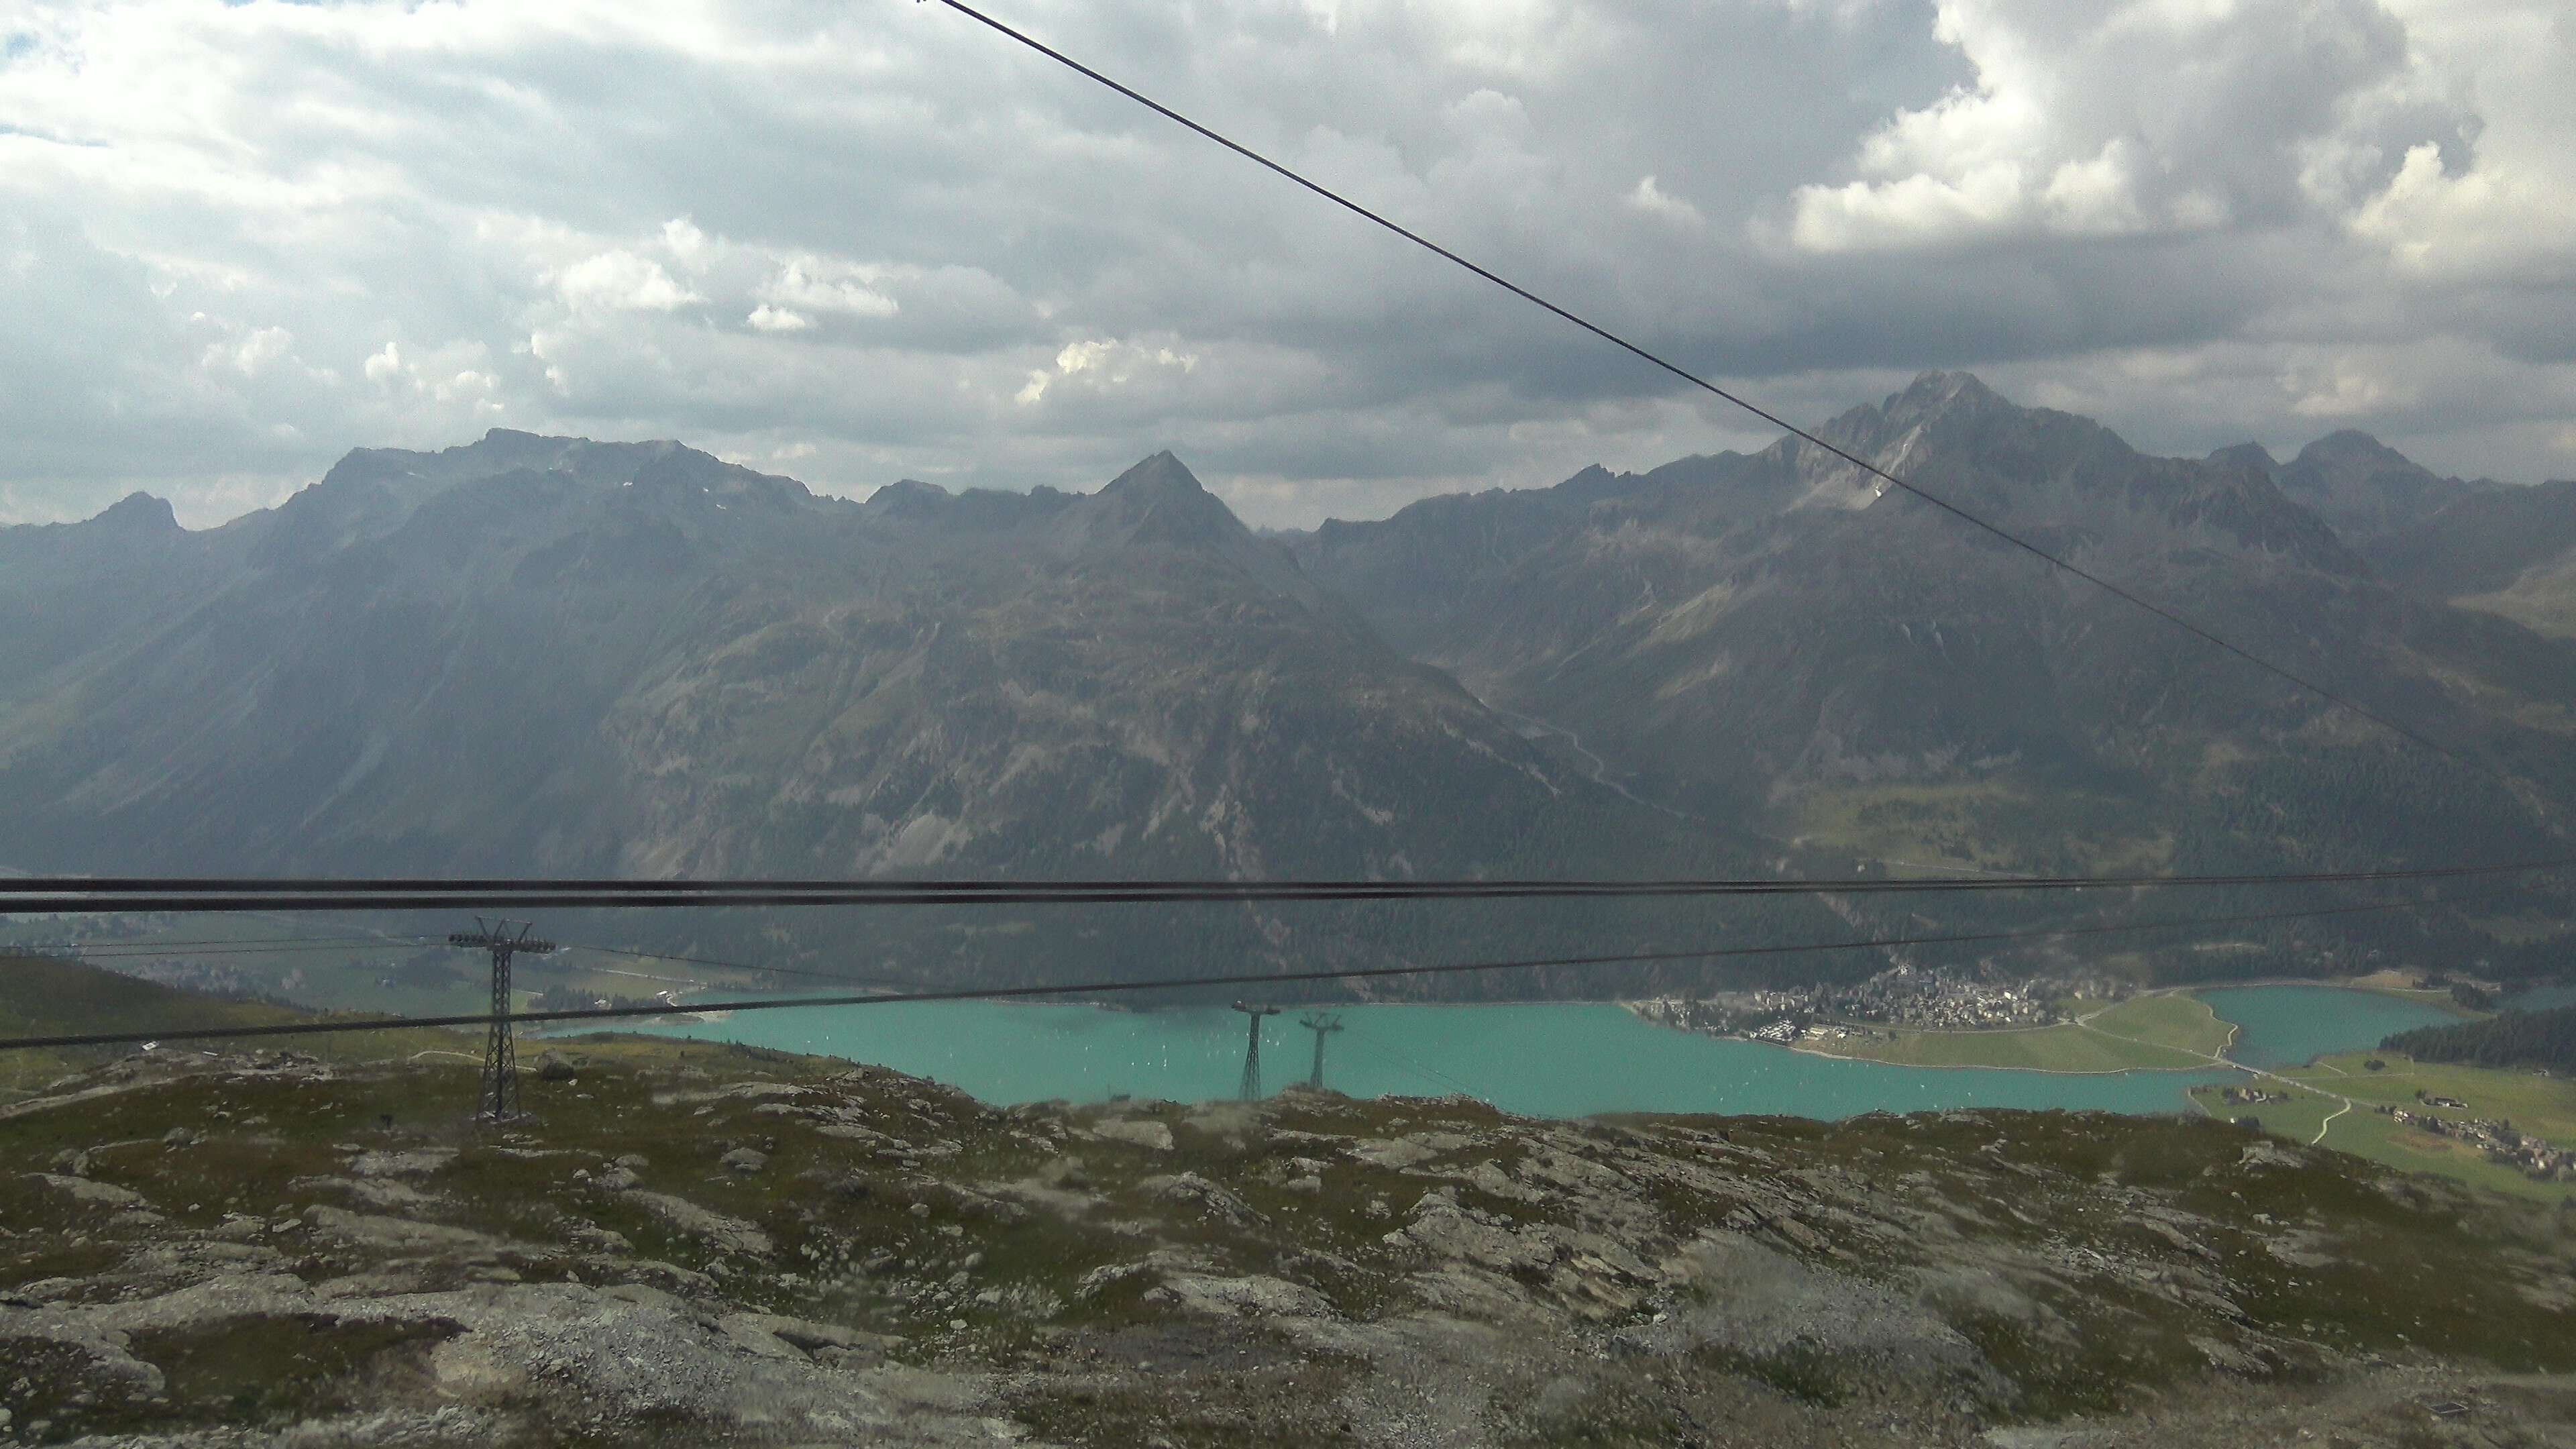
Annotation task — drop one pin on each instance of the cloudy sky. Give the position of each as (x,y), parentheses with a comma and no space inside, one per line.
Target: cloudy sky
(857,240)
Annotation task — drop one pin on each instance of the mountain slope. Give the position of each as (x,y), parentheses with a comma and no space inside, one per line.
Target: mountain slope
(2360,486)
(2508,551)
(1767,636)
(551,656)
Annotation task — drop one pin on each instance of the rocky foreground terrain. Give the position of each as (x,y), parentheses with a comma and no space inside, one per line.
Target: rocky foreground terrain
(694,1245)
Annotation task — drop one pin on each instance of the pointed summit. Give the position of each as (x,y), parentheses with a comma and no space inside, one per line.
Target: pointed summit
(1159,501)
(1934,393)
(1957,406)
(1953,414)
(1159,476)
(2353,448)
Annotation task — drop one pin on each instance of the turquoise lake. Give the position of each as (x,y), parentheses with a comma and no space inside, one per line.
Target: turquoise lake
(2283,1026)
(1548,1059)
(1558,1059)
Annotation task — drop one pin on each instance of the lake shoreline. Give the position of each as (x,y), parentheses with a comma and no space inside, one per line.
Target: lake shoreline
(2222,1057)
(1548,1059)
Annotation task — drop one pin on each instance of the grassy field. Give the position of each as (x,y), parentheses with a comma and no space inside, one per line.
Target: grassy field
(2542,1106)
(2300,1119)
(2367,1134)
(340,965)
(2172,1019)
(2401,984)
(1958,826)
(2172,1032)
(42,995)
(2041,1049)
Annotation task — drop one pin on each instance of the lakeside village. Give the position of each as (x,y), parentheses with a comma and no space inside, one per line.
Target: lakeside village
(1905,995)
(2496,1137)
(1908,996)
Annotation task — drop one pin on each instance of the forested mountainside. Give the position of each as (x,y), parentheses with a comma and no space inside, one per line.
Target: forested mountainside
(2544,1038)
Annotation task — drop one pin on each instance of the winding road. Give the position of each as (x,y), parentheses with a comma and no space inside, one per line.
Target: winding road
(2220,1058)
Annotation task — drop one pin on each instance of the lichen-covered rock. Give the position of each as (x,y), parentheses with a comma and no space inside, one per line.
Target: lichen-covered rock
(1451,1233)
(1193,1190)
(1135,1132)
(729,1234)
(1253,1295)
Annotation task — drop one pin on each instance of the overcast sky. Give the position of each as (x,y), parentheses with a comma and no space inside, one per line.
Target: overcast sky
(860,240)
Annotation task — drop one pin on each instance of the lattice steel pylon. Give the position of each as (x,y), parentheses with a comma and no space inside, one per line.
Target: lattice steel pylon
(1252,1050)
(499,1101)
(1322,1024)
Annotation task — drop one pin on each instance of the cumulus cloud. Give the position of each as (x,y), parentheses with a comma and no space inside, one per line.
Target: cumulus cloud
(878,243)
(622,281)
(813,285)
(2493,220)
(771,318)
(686,243)
(1105,364)
(1652,199)
(2141,116)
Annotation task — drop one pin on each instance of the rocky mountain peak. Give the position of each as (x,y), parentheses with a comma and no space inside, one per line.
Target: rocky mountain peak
(1160,501)
(500,450)
(685,471)
(138,515)
(137,529)
(1593,484)
(2351,447)
(2365,488)
(1935,393)
(2247,455)
(1950,421)
(907,498)
(1159,476)
(2040,468)
(1954,405)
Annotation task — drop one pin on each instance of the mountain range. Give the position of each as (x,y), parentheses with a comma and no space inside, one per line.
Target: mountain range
(556,656)
(551,656)
(1778,638)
